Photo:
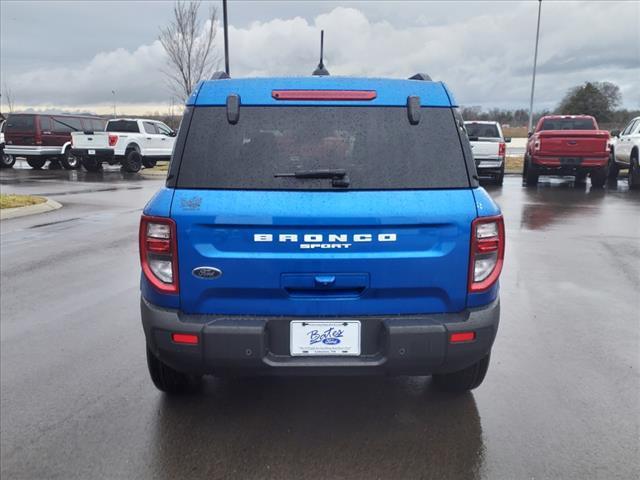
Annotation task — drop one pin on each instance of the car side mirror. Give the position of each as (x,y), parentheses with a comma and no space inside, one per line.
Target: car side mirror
(173,133)
(529,134)
(474,139)
(507,139)
(615,133)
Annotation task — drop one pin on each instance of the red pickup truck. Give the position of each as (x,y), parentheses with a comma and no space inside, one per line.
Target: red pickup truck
(567,145)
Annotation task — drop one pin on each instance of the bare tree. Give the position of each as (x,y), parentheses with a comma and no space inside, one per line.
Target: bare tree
(189,43)
(8,96)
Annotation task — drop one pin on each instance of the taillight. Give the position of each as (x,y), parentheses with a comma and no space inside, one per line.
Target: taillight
(487,252)
(502,150)
(159,253)
(113,139)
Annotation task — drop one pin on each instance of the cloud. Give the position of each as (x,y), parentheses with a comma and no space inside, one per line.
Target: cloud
(135,76)
(486,58)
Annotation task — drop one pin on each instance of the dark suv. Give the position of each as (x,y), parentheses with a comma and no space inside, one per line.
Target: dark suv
(321,226)
(42,137)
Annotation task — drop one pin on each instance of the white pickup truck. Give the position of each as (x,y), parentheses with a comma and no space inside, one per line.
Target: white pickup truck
(489,148)
(6,161)
(625,152)
(131,142)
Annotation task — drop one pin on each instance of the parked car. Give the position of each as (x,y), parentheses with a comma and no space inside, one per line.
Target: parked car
(131,142)
(625,148)
(321,226)
(6,161)
(567,145)
(489,148)
(44,137)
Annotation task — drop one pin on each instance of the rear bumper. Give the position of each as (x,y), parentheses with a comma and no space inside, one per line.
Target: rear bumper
(489,164)
(569,163)
(396,345)
(100,153)
(32,151)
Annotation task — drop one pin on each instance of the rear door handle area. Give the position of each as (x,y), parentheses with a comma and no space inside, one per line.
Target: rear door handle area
(324,280)
(325,285)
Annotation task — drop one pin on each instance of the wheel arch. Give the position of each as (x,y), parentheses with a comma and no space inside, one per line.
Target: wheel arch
(133,146)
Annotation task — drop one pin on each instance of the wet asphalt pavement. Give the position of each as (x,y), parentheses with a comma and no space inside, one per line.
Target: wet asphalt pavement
(561,399)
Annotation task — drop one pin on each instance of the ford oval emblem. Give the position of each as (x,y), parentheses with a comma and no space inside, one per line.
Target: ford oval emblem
(208,273)
(331,341)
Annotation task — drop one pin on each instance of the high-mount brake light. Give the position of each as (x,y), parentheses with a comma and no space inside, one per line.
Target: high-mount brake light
(159,253)
(113,139)
(487,252)
(324,95)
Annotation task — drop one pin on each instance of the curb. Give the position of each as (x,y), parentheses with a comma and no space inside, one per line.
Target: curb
(17,212)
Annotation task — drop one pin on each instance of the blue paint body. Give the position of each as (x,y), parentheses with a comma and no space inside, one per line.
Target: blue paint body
(424,270)
(257,91)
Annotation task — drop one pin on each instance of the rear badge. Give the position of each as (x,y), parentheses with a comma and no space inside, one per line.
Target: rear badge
(208,273)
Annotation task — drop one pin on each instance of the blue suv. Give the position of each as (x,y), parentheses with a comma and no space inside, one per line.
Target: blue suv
(321,226)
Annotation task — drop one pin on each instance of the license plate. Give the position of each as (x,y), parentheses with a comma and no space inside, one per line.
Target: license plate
(570,161)
(92,152)
(321,337)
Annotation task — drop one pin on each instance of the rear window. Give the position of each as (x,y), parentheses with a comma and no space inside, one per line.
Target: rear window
(568,124)
(20,123)
(376,147)
(128,126)
(482,130)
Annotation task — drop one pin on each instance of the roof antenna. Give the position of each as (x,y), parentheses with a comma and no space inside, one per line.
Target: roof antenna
(321,71)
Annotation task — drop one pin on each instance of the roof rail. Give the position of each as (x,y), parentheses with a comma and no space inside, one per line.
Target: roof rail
(421,76)
(220,75)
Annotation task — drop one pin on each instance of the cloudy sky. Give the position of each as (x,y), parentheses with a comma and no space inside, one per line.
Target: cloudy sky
(71,55)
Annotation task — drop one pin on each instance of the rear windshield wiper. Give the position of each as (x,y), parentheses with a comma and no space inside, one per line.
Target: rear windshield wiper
(314,174)
(338,177)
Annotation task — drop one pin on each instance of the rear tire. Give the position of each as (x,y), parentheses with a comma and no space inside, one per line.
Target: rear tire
(167,379)
(7,161)
(500,177)
(598,178)
(614,169)
(68,161)
(36,163)
(531,174)
(465,379)
(634,171)
(148,162)
(580,179)
(132,162)
(91,164)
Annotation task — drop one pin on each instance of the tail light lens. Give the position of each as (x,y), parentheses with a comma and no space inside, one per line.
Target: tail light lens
(502,150)
(159,253)
(113,139)
(487,252)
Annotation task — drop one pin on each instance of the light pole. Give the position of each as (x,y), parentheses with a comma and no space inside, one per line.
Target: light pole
(113,92)
(226,37)
(535,62)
